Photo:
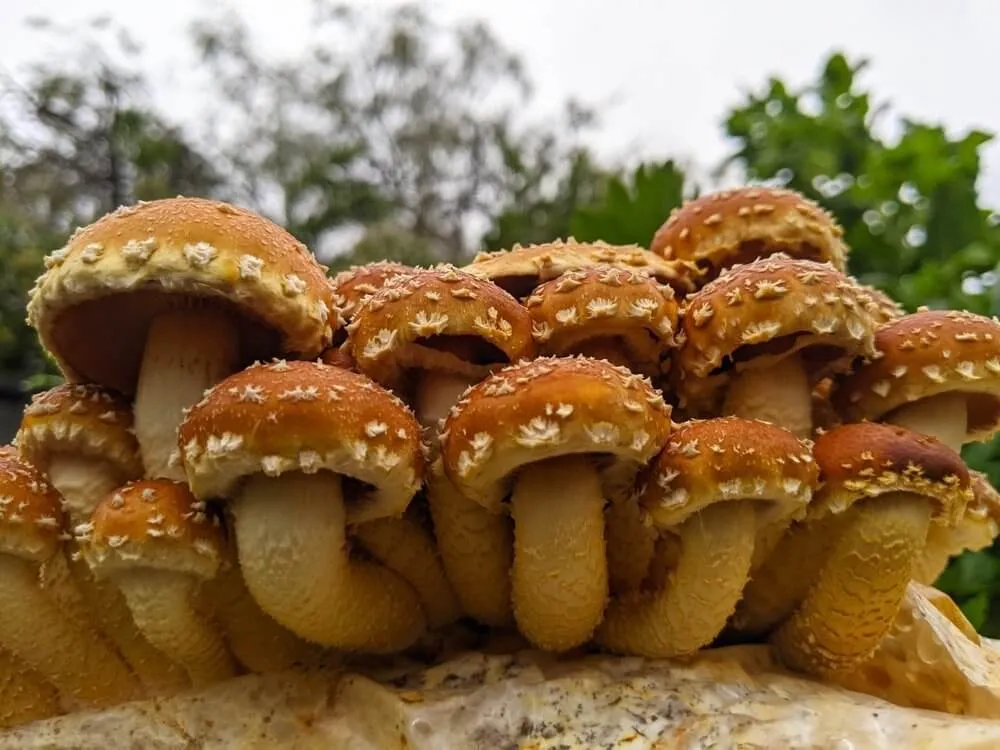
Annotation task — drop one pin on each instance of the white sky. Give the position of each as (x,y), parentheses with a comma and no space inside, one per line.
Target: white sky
(672,68)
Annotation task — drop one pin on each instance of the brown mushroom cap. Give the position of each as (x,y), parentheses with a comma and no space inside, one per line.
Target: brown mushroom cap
(93,304)
(338,356)
(925,354)
(438,319)
(731,227)
(304,416)
(883,307)
(85,420)
(868,459)
(756,314)
(354,285)
(550,407)
(153,524)
(727,458)
(31,516)
(628,310)
(521,269)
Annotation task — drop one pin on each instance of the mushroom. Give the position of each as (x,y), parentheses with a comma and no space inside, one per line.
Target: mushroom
(159,545)
(977,528)
(80,437)
(883,486)
(559,436)
(24,695)
(303,451)
(522,268)
(719,489)
(733,227)
(628,318)
(354,285)
(937,372)
(759,338)
(66,653)
(164,299)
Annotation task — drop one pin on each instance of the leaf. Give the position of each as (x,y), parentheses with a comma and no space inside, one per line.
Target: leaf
(969,574)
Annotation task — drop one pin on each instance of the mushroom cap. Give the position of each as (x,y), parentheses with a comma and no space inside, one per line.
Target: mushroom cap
(338,356)
(868,459)
(31,517)
(729,458)
(755,314)
(731,227)
(82,420)
(605,301)
(925,354)
(355,284)
(304,416)
(94,302)
(520,269)
(440,319)
(980,523)
(883,307)
(549,407)
(153,523)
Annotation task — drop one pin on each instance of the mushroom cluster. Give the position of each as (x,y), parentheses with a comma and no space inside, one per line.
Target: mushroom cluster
(254,465)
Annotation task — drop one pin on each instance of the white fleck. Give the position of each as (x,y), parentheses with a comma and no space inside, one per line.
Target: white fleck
(199,254)
(250,267)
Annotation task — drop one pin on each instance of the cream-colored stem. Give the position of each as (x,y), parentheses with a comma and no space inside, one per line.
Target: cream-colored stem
(296,563)
(476,549)
(855,599)
(631,545)
(944,417)
(436,393)
(402,545)
(187,351)
(257,640)
(78,663)
(164,604)
(57,580)
(24,695)
(560,574)
(778,393)
(82,482)
(698,596)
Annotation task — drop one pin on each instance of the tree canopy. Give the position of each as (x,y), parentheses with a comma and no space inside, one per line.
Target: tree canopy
(390,135)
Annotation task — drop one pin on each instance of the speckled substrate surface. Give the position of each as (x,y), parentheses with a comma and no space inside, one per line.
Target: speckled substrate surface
(728,698)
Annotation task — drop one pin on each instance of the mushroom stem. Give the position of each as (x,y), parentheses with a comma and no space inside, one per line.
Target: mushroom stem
(256,639)
(631,545)
(187,351)
(290,531)
(164,606)
(82,482)
(402,545)
(944,416)
(778,393)
(698,596)
(81,666)
(559,577)
(436,392)
(476,551)
(24,695)
(856,596)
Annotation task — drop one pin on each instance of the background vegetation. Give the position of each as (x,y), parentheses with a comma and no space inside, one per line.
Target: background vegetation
(397,137)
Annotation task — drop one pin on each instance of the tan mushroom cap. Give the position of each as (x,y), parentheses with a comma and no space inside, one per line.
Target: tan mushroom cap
(551,407)
(153,524)
(304,416)
(441,319)
(868,459)
(731,227)
(930,353)
(31,517)
(85,420)
(520,269)
(756,314)
(715,460)
(338,356)
(883,307)
(355,284)
(95,300)
(625,308)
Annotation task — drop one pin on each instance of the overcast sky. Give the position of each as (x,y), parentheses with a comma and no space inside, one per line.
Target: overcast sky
(673,68)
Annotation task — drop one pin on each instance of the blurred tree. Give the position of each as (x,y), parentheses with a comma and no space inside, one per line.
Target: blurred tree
(77,139)
(388,115)
(912,217)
